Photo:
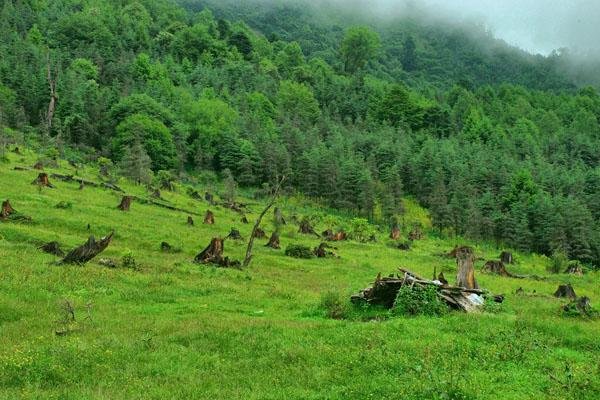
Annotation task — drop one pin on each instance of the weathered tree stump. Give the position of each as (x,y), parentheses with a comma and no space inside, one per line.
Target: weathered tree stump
(328,233)
(496,267)
(213,254)
(7,210)
(416,233)
(38,165)
(506,257)
(42,180)
(306,228)
(190,221)
(259,234)
(156,194)
(279,220)
(565,291)
(465,276)
(125,204)
(166,247)
(209,218)
(395,234)
(81,185)
(52,248)
(274,241)
(330,236)
(574,269)
(322,251)
(244,220)
(235,235)
(87,251)
(581,306)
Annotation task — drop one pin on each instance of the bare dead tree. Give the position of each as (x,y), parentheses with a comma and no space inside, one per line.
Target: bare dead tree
(274,197)
(52,78)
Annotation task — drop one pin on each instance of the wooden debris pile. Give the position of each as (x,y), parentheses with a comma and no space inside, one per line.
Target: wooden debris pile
(384,290)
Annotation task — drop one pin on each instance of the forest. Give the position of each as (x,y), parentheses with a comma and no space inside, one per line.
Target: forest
(357,113)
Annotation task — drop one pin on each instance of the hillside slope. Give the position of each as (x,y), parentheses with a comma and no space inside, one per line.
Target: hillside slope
(173,329)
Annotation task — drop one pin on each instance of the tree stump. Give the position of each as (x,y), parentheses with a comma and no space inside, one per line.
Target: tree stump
(496,267)
(38,165)
(87,251)
(190,221)
(52,248)
(395,233)
(274,241)
(213,254)
(81,185)
(42,180)
(306,228)
(279,220)
(244,220)
(125,204)
(166,247)
(327,234)
(465,276)
(580,306)
(7,210)
(259,234)
(506,257)
(156,194)
(235,235)
(565,291)
(209,218)
(322,251)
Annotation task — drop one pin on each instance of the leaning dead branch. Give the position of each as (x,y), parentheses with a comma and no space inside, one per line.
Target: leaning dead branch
(87,251)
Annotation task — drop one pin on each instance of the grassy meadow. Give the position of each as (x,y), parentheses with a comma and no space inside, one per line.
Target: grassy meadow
(170,329)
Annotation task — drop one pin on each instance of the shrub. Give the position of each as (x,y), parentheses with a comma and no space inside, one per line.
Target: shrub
(361,230)
(418,301)
(334,305)
(298,251)
(128,261)
(558,262)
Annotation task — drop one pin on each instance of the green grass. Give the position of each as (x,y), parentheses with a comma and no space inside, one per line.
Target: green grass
(175,330)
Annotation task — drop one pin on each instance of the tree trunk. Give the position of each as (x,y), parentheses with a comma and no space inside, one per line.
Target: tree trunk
(465,276)
(274,241)
(125,203)
(87,251)
(42,180)
(209,218)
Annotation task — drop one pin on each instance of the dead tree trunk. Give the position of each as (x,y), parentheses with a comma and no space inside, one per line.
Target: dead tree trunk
(395,233)
(190,221)
(42,180)
(565,291)
(209,218)
(53,95)
(256,227)
(506,257)
(465,276)
(87,251)
(274,241)
(125,203)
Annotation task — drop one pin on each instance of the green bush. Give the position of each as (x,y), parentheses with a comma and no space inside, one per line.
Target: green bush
(298,251)
(418,301)
(334,305)
(558,262)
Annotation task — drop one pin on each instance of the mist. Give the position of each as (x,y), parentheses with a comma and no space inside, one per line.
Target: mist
(537,26)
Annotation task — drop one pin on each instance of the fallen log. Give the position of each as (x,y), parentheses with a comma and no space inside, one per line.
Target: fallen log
(52,248)
(87,251)
(71,178)
(384,291)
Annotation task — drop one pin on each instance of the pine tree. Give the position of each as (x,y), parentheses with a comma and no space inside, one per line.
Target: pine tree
(136,163)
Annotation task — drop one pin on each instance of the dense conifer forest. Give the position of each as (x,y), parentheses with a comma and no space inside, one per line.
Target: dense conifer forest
(358,112)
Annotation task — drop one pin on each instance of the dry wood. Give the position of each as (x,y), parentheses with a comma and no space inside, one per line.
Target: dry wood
(209,218)
(253,235)
(125,204)
(42,180)
(87,251)
(52,248)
